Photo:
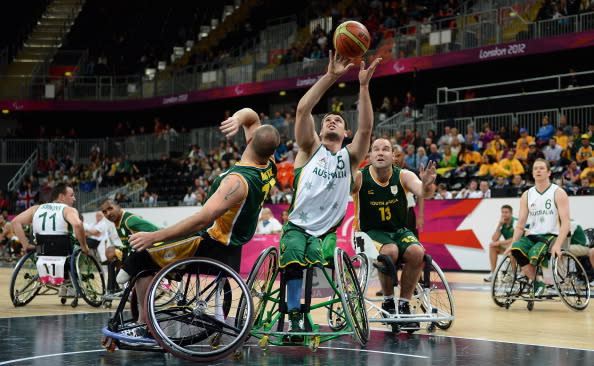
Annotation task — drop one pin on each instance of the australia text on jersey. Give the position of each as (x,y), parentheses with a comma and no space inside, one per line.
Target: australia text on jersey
(325,174)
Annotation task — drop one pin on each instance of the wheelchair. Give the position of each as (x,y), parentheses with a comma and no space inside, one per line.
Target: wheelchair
(569,283)
(344,305)
(56,268)
(198,309)
(432,304)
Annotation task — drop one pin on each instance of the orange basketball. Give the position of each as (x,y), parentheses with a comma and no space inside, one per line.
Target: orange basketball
(351,39)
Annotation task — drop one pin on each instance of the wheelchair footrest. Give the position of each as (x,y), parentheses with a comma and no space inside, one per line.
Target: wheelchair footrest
(130,339)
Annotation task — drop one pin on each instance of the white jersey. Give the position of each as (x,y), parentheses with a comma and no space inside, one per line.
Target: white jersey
(49,220)
(543,217)
(322,188)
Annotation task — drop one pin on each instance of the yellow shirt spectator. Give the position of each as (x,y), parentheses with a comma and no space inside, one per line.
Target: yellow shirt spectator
(471,157)
(561,141)
(512,166)
(524,137)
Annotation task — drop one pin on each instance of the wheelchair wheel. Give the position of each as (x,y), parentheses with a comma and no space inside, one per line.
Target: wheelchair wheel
(197,326)
(361,264)
(87,278)
(169,291)
(260,283)
(571,281)
(352,299)
(505,285)
(24,283)
(437,292)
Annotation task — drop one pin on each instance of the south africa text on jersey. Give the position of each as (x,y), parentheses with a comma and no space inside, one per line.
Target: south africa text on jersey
(383,203)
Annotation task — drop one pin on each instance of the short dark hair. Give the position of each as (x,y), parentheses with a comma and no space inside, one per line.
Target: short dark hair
(507,207)
(59,189)
(336,113)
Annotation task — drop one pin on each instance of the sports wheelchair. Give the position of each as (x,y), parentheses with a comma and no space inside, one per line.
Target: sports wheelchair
(198,309)
(569,283)
(432,304)
(56,267)
(337,282)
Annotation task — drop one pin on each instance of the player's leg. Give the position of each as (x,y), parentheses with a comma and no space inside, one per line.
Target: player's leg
(412,255)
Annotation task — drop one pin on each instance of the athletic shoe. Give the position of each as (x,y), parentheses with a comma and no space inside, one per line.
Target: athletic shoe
(489,277)
(388,306)
(379,293)
(404,308)
(295,325)
(539,288)
(592,283)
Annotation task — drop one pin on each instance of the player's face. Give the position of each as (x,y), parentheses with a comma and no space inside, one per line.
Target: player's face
(68,197)
(333,126)
(381,154)
(540,171)
(112,212)
(506,214)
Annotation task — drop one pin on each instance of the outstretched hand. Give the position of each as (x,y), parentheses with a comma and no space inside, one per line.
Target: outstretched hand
(427,174)
(338,65)
(366,74)
(230,126)
(141,240)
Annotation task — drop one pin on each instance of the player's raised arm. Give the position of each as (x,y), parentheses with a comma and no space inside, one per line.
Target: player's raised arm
(305,133)
(360,145)
(246,118)
(423,187)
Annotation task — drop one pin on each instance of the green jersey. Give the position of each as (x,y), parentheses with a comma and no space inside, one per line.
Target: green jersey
(578,236)
(380,206)
(238,225)
(508,230)
(131,223)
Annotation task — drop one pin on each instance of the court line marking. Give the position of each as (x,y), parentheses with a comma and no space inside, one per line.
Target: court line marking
(45,356)
(374,351)
(525,344)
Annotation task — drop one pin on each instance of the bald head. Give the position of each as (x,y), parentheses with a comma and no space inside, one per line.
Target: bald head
(266,140)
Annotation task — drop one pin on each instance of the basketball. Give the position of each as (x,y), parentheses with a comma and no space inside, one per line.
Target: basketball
(351,39)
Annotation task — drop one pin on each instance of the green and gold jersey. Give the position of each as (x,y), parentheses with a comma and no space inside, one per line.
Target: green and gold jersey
(238,225)
(131,223)
(380,206)
(508,230)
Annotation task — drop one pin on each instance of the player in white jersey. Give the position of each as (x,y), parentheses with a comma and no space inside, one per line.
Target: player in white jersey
(55,218)
(322,180)
(545,208)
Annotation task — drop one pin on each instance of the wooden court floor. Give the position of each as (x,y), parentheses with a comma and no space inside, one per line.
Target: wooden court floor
(477,317)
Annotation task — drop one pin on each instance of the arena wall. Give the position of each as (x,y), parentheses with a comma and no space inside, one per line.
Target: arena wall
(456,233)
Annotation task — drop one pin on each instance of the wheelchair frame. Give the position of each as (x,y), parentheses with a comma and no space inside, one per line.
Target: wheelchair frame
(432,301)
(83,270)
(347,309)
(206,316)
(570,283)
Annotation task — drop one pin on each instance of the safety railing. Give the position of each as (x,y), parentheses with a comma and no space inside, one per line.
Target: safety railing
(468,31)
(92,200)
(25,170)
(514,88)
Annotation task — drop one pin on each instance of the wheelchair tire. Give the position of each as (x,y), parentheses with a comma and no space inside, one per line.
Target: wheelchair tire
(197,326)
(351,296)
(87,278)
(571,281)
(361,264)
(503,284)
(24,282)
(440,295)
(260,283)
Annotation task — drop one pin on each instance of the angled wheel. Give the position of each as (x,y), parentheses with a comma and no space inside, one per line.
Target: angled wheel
(200,324)
(438,294)
(260,284)
(24,283)
(361,264)
(504,286)
(87,278)
(571,281)
(351,296)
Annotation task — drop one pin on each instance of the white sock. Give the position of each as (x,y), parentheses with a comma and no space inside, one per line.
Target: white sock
(402,299)
(386,298)
(122,277)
